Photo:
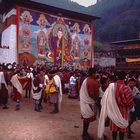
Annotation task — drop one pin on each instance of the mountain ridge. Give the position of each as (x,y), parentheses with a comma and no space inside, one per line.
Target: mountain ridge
(119,18)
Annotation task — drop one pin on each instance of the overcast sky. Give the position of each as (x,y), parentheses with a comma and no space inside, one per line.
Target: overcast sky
(85,3)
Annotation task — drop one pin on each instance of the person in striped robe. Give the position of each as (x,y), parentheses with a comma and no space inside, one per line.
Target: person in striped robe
(124,98)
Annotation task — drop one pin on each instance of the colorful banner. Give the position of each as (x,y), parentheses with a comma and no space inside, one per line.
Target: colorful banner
(131,60)
(45,38)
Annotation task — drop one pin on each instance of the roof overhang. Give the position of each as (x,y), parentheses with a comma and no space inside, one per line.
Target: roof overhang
(126,42)
(7,4)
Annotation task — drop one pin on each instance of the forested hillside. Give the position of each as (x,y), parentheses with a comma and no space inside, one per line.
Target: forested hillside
(119,20)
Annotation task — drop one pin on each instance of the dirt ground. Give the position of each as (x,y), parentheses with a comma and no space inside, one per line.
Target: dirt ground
(26,124)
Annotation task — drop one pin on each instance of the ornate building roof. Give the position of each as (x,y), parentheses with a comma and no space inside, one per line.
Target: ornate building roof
(5,5)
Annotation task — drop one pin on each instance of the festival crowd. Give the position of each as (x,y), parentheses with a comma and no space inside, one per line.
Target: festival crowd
(109,96)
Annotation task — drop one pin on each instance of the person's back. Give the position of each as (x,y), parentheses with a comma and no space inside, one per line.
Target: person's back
(124,99)
(124,95)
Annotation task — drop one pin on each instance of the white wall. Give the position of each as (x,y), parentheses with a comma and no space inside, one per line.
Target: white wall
(9,39)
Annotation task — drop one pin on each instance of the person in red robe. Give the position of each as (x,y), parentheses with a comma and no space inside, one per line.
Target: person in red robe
(89,94)
(124,98)
(19,82)
(38,86)
(28,86)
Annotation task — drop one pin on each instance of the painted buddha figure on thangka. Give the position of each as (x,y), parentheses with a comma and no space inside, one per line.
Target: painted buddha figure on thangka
(25,32)
(26,46)
(42,22)
(26,17)
(67,55)
(62,46)
(57,40)
(86,52)
(87,32)
(42,42)
(56,43)
(76,43)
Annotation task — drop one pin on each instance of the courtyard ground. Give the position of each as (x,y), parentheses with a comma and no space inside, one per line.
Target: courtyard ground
(26,124)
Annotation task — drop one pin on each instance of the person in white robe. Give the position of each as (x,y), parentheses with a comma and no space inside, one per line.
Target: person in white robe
(56,98)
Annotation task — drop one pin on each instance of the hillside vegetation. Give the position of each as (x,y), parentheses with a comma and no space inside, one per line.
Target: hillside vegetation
(119,20)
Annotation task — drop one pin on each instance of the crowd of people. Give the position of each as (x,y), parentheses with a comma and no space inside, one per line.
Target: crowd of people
(115,98)
(99,54)
(109,96)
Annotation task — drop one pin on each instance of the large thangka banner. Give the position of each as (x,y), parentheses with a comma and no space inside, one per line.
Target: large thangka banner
(45,38)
